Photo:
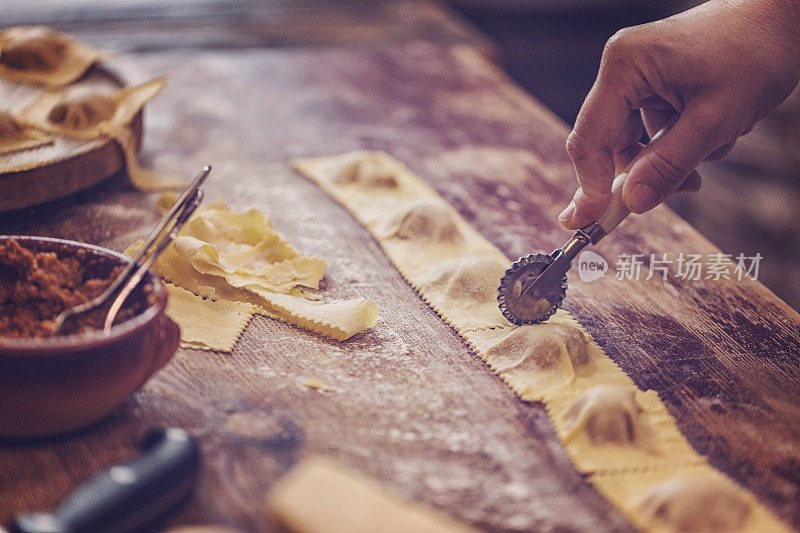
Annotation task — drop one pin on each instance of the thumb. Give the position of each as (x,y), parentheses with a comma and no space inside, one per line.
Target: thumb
(669,159)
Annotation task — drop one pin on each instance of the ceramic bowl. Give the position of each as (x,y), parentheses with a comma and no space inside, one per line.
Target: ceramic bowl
(62,383)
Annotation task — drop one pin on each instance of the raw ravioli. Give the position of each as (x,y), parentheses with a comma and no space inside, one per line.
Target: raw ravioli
(42,56)
(81,114)
(15,137)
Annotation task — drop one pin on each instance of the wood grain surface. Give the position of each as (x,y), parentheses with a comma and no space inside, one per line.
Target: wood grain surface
(412,406)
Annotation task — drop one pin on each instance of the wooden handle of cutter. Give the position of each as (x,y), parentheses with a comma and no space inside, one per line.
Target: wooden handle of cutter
(616,211)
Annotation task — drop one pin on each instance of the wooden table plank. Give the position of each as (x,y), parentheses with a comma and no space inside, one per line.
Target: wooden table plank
(129,25)
(414,408)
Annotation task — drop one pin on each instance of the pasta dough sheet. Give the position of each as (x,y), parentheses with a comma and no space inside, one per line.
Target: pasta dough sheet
(75,113)
(42,56)
(207,324)
(319,496)
(610,428)
(240,257)
(695,498)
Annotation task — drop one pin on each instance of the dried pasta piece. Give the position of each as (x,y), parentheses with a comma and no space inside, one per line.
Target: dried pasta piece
(42,56)
(81,114)
(207,324)
(467,289)
(695,499)
(319,496)
(15,137)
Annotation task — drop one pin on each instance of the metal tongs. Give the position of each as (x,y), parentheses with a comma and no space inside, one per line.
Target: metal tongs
(133,274)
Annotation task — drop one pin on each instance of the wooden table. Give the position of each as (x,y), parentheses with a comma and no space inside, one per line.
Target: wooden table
(413,407)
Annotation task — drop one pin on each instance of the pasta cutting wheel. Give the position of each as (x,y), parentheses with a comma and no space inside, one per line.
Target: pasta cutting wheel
(535,286)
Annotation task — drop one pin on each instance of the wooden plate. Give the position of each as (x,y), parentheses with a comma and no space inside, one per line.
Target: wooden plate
(70,165)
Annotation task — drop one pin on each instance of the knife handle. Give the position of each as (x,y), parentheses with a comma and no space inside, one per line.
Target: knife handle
(129,496)
(617,211)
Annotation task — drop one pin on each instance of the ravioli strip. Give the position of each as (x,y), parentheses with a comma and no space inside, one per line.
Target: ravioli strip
(610,429)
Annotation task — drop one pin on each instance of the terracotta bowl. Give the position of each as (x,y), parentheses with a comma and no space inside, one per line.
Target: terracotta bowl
(57,384)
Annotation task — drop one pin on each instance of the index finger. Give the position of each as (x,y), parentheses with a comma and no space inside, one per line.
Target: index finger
(591,146)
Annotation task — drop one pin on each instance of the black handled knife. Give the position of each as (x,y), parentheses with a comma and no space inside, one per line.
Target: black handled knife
(127,497)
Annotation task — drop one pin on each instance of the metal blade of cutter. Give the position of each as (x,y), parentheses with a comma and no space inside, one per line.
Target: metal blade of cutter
(533,288)
(536,285)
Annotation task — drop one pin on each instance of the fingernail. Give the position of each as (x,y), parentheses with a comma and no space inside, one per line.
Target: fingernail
(642,197)
(567,213)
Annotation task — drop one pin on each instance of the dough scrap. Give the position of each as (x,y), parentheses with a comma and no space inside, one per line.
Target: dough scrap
(318,385)
(693,499)
(550,366)
(15,137)
(207,324)
(319,496)
(42,56)
(76,113)
(240,257)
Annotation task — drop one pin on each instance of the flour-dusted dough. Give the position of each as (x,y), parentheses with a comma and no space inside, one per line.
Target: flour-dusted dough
(15,137)
(694,499)
(207,324)
(319,496)
(618,427)
(80,114)
(464,291)
(373,185)
(608,414)
(556,362)
(365,169)
(426,221)
(240,257)
(543,360)
(42,56)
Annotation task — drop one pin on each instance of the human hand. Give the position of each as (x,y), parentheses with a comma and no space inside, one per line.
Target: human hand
(721,66)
